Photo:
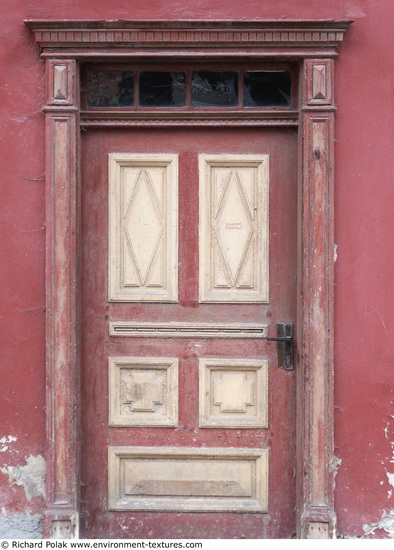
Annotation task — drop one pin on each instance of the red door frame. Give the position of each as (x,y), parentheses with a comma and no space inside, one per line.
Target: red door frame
(314,45)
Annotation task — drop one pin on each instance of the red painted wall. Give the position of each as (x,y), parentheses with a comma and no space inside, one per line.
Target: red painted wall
(364,326)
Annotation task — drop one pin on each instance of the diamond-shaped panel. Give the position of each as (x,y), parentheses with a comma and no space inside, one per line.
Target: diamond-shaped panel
(143,225)
(233,224)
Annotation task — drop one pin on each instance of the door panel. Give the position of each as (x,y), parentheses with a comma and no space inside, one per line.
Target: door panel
(233,242)
(188,479)
(187,423)
(143,228)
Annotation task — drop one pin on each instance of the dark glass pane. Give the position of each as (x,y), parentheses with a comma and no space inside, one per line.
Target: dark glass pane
(214,89)
(267,89)
(160,89)
(110,89)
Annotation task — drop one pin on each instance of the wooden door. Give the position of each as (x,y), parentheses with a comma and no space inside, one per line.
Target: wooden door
(188,260)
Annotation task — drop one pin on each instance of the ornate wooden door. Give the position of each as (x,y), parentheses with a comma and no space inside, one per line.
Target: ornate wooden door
(188,262)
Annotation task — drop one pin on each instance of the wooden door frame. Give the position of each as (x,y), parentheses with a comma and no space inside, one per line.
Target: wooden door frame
(312,44)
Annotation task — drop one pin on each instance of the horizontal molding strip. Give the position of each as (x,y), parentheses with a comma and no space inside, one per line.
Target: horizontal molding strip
(186,39)
(207,34)
(121,119)
(132,329)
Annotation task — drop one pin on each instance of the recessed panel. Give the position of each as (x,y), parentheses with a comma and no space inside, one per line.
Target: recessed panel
(188,479)
(233,393)
(143,391)
(234,228)
(143,228)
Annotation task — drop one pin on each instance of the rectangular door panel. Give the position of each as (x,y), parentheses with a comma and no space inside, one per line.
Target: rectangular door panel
(143,228)
(143,391)
(233,393)
(187,479)
(234,228)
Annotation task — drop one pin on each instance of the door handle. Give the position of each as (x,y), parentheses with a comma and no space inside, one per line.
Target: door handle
(285,340)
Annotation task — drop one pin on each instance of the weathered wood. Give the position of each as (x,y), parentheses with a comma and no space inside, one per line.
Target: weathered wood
(61,516)
(315,305)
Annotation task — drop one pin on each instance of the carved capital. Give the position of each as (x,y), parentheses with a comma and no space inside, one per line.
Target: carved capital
(319,85)
(61,82)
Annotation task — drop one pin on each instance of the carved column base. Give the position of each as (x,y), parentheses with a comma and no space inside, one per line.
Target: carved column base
(318,523)
(60,523)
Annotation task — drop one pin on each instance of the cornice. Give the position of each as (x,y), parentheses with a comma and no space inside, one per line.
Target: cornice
(96,37)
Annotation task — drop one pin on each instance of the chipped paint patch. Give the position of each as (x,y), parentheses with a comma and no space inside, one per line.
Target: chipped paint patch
(390,477)
(4,441)
(334,466)
(386,523)
(335,463)
(31,476)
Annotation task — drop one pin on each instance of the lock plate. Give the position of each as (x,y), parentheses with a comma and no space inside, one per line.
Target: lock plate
(285,344)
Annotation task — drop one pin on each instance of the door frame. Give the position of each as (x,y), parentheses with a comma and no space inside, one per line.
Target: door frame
(314,46)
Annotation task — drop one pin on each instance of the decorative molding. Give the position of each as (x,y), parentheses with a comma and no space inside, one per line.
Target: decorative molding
(319,83)
(135,329)
(233,393)
(143,391)
(143,228)
(234,238)
(133,119)
(179,479)
(189,35)
(62,83)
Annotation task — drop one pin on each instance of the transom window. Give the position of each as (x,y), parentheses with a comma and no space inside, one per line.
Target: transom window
(200,88)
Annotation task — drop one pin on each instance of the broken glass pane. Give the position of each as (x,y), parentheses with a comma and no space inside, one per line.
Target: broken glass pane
(214,89)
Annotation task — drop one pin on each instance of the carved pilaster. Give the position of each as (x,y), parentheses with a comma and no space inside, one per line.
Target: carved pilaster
(61,516)
(315,377)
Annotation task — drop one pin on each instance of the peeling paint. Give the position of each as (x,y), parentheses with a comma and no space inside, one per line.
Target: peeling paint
(334,466)
(4,442)
(386,434)
(390,477)
(386,523)
(31,476)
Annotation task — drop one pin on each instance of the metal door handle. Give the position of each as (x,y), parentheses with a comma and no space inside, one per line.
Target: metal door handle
(285,339)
